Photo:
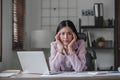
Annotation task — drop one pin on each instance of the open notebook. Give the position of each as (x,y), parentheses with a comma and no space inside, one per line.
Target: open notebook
(33,62)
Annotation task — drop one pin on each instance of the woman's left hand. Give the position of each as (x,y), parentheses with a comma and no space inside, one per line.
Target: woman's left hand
(72,42)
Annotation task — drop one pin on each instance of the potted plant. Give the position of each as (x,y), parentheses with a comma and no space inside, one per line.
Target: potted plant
(100,41)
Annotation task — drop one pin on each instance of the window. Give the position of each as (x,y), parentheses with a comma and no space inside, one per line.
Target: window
(18,24)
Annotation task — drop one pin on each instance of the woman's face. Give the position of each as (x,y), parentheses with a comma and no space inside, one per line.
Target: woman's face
(66,35)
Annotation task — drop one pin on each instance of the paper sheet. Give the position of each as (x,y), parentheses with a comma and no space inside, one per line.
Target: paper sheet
(7,74)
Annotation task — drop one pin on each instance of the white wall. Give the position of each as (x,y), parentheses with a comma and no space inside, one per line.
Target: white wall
(32,19)
(6,40)
(33,13)
(108,6)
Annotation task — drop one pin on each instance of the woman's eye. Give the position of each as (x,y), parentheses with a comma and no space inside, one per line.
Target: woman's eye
(62,33)
(69,33)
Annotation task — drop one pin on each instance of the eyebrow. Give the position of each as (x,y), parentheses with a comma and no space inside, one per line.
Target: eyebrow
(67,32)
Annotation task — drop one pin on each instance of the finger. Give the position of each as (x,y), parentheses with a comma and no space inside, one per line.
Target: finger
(74,36)
(57,36)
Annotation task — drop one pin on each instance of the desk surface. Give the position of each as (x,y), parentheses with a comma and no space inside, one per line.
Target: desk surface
(104,75)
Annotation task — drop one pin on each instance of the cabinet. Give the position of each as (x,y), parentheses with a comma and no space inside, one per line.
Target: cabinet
(108,32)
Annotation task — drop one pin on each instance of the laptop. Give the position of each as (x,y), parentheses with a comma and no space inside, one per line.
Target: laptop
(33,62)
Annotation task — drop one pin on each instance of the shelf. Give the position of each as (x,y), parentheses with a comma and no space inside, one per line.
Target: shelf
(102,48)
(58,8)
(57,16)
(84,27)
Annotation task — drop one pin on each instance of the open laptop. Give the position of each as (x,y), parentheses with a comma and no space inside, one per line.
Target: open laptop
(33,62)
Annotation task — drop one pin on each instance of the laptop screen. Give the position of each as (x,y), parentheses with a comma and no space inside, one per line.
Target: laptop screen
(33,61)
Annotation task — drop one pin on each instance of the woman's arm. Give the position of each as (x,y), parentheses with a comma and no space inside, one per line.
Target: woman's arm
(78,60)
(56,58)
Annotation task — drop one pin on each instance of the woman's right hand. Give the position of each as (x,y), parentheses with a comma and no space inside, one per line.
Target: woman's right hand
(57,37)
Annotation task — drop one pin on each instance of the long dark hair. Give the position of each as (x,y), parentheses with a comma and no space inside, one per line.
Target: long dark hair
(68,23)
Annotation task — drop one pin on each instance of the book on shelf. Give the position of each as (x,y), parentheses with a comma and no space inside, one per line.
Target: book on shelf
(88,39)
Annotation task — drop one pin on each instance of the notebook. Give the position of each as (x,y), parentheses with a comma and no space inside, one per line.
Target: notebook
(34,62)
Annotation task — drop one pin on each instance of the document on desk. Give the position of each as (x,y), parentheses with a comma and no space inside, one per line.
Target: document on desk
(114,74)
(85,74)
(63,74)
(98,72)
(72,74)
(7,74)
(105,73)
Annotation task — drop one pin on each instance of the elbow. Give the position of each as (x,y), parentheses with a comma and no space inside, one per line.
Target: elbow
(80,68)
(54,67)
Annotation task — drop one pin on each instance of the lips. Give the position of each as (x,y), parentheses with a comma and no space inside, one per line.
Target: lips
(66,41)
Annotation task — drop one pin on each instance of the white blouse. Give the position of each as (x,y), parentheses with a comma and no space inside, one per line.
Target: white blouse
(67,65)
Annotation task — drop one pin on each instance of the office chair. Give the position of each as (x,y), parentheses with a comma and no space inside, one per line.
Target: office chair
(91,57)
(91,62)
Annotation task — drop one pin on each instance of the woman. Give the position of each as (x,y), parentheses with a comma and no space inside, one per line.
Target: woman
(67,51)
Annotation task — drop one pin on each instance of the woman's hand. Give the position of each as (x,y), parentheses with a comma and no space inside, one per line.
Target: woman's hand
(72,42)
(57,37)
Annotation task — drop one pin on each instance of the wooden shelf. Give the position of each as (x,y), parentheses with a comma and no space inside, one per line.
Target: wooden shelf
(83,27)
(103,48)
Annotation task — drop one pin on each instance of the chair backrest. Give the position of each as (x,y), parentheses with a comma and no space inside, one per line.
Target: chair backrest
(91,59)
(82,36)
(90,55)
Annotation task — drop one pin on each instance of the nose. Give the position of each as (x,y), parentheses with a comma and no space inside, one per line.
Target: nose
(66,36)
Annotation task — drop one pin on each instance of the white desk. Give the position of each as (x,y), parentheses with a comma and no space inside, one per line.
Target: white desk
(69,76)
